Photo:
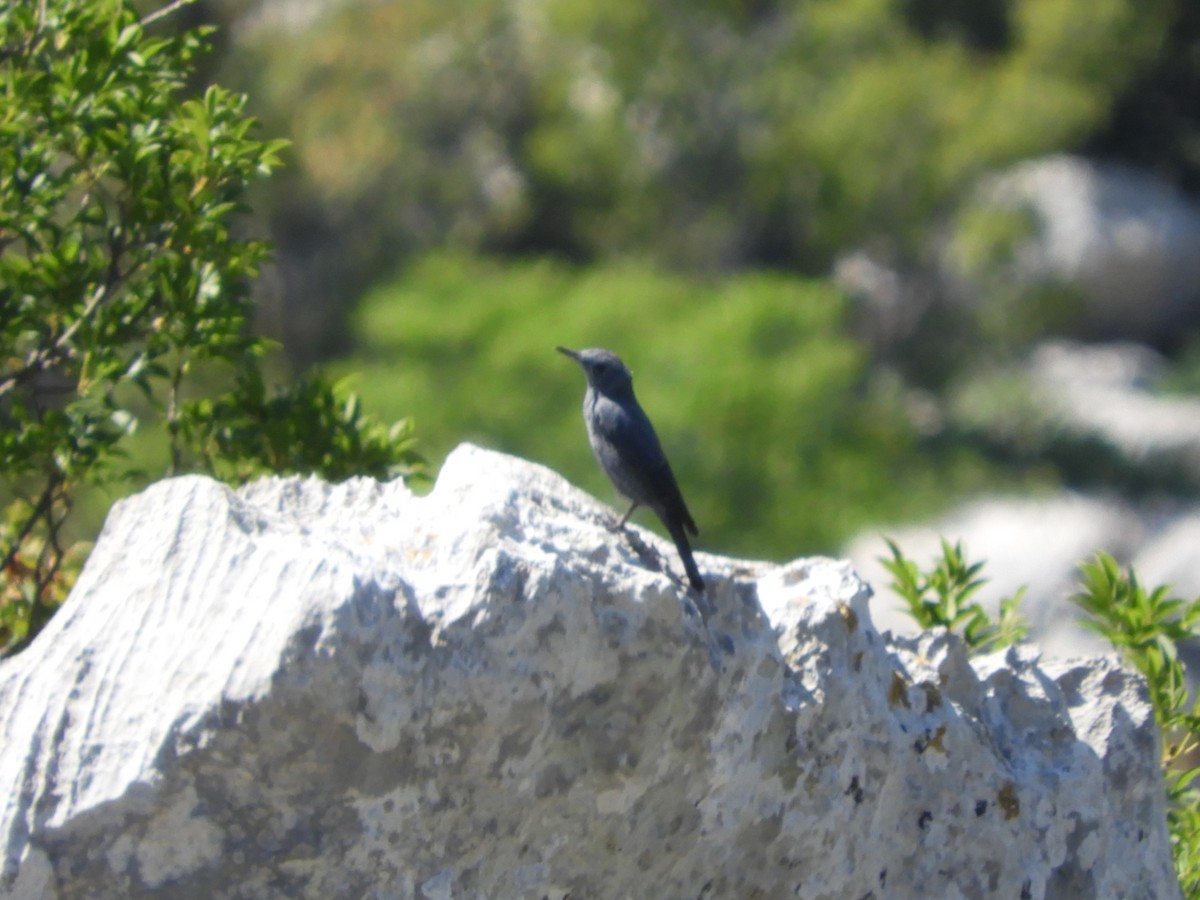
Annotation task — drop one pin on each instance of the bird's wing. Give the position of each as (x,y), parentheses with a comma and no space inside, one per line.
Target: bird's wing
(630,429)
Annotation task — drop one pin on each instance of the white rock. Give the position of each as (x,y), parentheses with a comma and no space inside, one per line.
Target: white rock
(1103,391)
(313,691)
(1170,556)
(1127,242)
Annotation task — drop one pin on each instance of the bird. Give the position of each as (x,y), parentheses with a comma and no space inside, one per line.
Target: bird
(627,449)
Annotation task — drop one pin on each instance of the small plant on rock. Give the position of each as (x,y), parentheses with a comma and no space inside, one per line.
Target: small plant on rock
(938,598)
(1147,627)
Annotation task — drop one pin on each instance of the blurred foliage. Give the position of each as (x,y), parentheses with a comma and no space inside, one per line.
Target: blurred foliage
(781,442)
(312,426)
(1002,309)
(120,272)
(710,135)
(1182,377)
(1014,417)
(1155,122)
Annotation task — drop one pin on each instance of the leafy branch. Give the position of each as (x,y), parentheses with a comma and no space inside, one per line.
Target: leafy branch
(120,272)
(938,598)
(1147,628)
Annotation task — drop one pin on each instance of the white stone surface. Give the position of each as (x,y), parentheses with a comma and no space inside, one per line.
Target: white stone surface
(299,690)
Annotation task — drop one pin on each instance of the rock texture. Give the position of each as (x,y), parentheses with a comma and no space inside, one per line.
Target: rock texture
(299,690)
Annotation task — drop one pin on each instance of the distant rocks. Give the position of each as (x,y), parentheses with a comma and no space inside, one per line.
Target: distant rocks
(1055,290)
(1089,250)
(1126,243)
(1107,391)
(1088,407)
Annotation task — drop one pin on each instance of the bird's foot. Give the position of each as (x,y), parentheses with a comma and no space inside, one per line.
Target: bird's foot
(647,554)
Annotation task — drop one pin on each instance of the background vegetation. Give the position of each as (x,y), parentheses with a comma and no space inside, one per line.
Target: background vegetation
(642,162)
(709,135)
(783,438)
(468,185)
(120,278)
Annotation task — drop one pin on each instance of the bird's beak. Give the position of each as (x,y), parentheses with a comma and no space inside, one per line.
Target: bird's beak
(574,354)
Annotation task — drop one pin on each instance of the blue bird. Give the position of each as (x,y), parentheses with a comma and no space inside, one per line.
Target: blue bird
(624,443)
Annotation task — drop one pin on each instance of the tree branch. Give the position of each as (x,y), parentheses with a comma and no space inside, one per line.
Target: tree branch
(153,17)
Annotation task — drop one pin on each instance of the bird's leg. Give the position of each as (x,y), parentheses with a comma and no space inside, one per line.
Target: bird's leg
(625,518)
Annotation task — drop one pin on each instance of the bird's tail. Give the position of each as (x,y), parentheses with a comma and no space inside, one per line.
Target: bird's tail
(679,536)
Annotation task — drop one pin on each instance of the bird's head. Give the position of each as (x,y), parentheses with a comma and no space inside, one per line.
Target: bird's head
(604,370)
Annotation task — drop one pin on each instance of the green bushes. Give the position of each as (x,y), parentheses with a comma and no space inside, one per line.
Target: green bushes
(706,136)
(782,443)
(938,598)
(121,273)
(1147,627)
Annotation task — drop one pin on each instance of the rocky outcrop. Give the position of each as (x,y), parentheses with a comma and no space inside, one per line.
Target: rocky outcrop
(303,690)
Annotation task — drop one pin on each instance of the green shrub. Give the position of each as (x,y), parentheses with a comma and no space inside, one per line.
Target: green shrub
(121,273)
(938,598)
(1147,627)
(781,443)
(705,135)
